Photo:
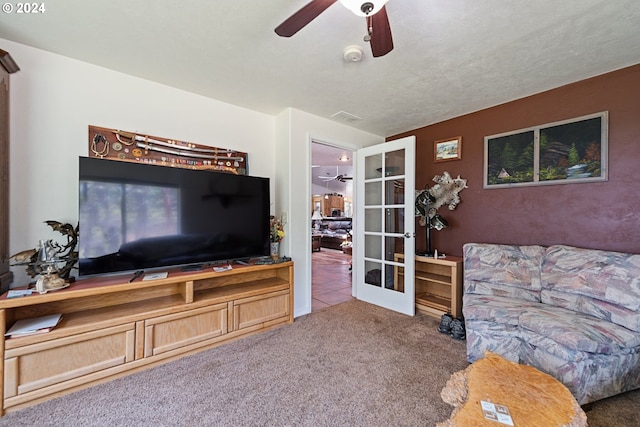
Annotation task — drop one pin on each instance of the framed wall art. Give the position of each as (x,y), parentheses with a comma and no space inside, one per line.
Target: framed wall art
(447,149)
(564,152)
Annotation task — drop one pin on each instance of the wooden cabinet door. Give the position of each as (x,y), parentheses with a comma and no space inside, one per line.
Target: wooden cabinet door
(336,202)
(50,366)
(261,309)
(178,330)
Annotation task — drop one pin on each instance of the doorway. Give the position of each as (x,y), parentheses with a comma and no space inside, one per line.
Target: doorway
(331,225)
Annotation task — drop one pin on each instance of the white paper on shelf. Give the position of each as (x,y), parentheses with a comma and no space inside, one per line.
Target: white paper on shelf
(19,293)
(29,326)
(155,276)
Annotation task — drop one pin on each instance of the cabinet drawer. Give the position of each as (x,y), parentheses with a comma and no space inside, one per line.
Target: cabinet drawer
(177,330)
(260,309)
(48,363)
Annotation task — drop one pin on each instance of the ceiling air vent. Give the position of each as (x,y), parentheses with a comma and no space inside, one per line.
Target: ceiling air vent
(346,117)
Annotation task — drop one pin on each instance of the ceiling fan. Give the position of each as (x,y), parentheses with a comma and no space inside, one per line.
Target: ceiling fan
(378,30)
(338,177)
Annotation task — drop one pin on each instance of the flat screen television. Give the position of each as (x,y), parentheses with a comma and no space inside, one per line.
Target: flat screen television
(137,216)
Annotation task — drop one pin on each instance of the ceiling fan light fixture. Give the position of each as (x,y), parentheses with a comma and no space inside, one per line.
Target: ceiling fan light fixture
(364,8)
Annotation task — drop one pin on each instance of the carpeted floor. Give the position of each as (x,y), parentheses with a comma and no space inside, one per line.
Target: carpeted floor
(352,364)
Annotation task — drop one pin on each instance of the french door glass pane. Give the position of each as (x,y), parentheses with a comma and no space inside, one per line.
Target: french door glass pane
(373,193)
(373,167)
(394,222)
(394,164)
(372,248)
(373,219)
(373,274)
(394,192)
(393,246)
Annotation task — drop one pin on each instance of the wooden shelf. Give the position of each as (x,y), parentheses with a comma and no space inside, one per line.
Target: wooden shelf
(437,278)
(88,320)
(433,277)
(110,326)
(438,284)
(433,301)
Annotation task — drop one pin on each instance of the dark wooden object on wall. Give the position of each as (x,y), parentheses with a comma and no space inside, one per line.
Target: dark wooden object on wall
(8,67)
(115,144)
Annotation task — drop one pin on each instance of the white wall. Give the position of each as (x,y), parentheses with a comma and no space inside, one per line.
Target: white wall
(54,99)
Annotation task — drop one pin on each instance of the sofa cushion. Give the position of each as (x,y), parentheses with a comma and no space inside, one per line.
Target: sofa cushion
(612,277)
(578,332)
(503,270)
(594,307)
(339,225)
(496,309)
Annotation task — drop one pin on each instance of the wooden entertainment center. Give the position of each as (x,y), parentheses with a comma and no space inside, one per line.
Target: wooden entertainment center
(111,327)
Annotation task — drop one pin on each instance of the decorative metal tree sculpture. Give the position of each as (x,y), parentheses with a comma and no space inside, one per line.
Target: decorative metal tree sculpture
(445,191)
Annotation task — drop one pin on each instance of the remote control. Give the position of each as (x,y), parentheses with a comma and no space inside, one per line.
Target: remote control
(192,267)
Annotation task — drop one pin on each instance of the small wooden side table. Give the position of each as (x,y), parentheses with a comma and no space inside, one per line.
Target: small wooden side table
(438,284)
(533,398)
(316,242)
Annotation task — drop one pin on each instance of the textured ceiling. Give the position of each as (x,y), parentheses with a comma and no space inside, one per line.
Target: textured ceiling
(451,57)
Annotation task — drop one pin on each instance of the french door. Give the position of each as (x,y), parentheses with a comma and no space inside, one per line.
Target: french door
(385,226)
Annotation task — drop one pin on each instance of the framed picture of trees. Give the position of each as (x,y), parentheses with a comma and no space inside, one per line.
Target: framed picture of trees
(564,152)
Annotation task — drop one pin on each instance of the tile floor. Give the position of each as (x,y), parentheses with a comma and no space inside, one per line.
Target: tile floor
(331,278)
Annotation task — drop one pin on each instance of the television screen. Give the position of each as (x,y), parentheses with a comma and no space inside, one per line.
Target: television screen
(136,216)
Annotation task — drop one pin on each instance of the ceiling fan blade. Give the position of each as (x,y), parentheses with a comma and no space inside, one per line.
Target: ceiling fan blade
(381,40)
(302,17)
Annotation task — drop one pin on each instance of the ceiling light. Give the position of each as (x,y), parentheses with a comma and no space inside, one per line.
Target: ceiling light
(363,8)
(344,158)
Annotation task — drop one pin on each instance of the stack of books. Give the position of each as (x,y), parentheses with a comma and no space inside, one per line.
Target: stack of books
(37,325)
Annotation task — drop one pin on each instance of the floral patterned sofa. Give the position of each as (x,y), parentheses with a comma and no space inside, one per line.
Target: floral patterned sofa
(570,312)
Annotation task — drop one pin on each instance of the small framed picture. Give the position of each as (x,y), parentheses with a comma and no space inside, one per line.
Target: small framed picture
(447,149)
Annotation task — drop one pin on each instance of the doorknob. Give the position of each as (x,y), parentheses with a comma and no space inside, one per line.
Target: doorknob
(408,235)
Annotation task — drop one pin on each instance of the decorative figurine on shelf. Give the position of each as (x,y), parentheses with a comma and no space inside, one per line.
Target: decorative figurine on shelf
(276,234)
(445,191)
(49,279)
(44,260)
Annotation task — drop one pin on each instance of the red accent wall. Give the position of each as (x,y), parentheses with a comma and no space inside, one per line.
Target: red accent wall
(603,215)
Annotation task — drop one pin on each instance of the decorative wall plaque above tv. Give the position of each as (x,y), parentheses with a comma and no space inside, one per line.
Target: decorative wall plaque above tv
(115,144)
